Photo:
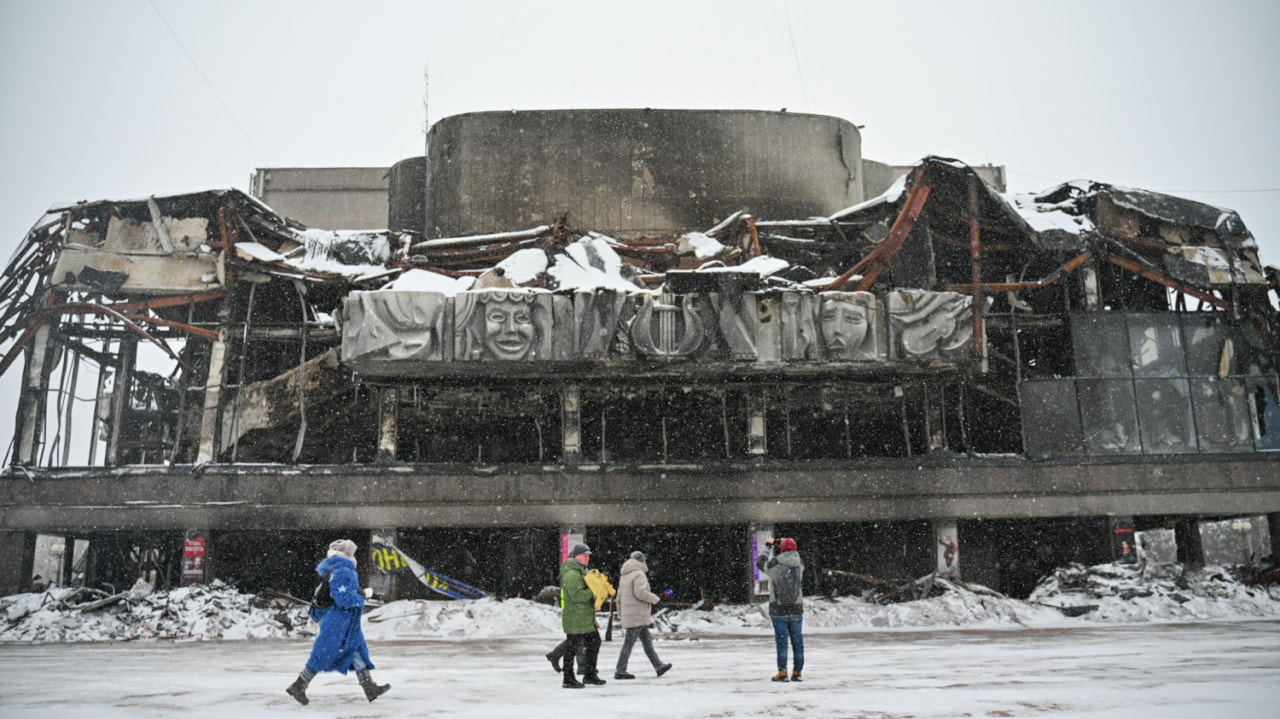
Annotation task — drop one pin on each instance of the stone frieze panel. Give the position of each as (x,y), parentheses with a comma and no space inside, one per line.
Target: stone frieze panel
(410,333)
(930,325)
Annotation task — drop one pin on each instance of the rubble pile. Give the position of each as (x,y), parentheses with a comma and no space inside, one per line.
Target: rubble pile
(1105,593)
(1157,591)
(202,612)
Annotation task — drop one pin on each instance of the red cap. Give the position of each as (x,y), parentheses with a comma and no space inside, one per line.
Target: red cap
(788,544)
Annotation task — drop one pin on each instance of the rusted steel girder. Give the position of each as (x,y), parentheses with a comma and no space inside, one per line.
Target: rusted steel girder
(33,322)
(124,311)
(1155,275)
(174,301)
(1070,266)
(975,263)
(875,260)
(755,237)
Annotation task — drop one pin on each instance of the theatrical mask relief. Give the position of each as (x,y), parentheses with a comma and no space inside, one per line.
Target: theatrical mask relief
(403,332)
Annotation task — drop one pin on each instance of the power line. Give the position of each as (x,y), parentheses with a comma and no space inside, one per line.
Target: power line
(1205,192)
(212,89)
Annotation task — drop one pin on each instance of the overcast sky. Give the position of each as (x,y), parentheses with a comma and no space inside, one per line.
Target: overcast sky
(120,99)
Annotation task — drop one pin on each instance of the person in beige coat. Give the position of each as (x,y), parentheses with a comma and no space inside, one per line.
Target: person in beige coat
(635,606)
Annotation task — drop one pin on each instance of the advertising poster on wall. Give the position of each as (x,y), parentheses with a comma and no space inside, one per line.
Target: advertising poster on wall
(759,581)
(567,540)
(193,554)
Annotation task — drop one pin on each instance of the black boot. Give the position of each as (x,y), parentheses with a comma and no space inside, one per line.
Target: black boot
(298,690)
(555,661)
(593,679)
(570,681)
(371,691)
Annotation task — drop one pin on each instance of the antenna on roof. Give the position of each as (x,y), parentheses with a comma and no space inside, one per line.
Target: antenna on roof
(426,115)
(804,91)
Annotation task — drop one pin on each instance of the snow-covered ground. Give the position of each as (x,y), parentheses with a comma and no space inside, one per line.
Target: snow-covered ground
(1146,641)
(1170,670)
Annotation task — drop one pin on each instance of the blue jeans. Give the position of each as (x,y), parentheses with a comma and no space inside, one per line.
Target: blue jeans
(785,628)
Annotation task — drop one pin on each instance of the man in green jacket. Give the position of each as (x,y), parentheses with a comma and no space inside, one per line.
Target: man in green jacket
(578,616)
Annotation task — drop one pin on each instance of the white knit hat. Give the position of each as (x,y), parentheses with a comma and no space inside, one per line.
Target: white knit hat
(342,547)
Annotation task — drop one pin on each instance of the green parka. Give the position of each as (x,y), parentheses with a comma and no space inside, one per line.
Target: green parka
(577,602)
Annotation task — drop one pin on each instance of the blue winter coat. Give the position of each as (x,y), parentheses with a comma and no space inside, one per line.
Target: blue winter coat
(340,637)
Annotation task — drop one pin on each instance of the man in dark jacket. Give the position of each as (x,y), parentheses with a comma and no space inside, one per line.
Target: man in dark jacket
(340,645)
(578,617)
(786,604)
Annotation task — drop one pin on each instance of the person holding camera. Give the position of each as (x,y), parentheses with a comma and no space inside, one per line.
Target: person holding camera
(786,603)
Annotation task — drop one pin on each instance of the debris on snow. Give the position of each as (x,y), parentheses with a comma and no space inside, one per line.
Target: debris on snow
(1157,592)
(1106,593)
(214,611)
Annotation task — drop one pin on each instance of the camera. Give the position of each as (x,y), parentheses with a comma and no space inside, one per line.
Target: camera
(770,542)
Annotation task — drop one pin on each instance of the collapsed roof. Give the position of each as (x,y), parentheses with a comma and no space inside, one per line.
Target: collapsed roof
(938,241)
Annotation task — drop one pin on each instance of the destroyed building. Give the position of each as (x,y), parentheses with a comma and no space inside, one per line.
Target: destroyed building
(678,331)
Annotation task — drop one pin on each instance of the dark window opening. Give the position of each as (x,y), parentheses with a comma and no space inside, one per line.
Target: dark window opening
(479,425)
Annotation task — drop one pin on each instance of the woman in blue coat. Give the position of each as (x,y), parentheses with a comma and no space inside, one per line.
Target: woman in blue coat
(340,645)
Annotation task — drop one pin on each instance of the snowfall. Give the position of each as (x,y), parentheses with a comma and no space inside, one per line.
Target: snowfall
(1110,640)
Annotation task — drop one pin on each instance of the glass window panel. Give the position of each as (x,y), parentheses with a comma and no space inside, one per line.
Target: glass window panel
(1155,343)
(1205,338)
(1251,354)
(1266,413)
(1223,422)
(1050,418)
(1101,345)
(1109,417)
(1164,414)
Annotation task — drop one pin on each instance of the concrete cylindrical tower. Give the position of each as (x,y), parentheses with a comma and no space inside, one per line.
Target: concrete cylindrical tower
(634,172)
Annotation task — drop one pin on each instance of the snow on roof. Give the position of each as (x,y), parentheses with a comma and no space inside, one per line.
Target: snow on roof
(419,280)
(888,197)
(590,263)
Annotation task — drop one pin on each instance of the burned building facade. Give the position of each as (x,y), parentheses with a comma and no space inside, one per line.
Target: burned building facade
(679,331)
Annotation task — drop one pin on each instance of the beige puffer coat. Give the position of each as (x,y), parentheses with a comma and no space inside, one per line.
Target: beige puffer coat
(635,600)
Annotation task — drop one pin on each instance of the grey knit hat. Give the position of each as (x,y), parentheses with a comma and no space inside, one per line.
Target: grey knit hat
(580,549)
(342,547)
(638,556)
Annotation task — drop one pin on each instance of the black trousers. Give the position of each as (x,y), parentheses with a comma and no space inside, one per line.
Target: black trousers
(586,647)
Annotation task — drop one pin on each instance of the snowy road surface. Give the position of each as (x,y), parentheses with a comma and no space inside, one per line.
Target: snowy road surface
(1174,671)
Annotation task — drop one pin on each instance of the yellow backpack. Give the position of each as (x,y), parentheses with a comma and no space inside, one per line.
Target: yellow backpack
(599,585)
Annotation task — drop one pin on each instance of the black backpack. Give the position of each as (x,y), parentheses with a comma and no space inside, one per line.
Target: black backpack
(321,598)
(787,588)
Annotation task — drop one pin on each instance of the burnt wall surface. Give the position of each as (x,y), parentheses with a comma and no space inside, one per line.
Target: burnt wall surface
(407,195)
(635,172)
(245,497)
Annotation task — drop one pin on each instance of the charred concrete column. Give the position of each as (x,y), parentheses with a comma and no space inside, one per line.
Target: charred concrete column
(1124,548)
(388,424)
(212,400)
(935,426)
(17,558)
(571,422)
(34,396)
(121,388)
(1273,527)
(384,563)
(757,444)
(1186,535)
(946,534)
